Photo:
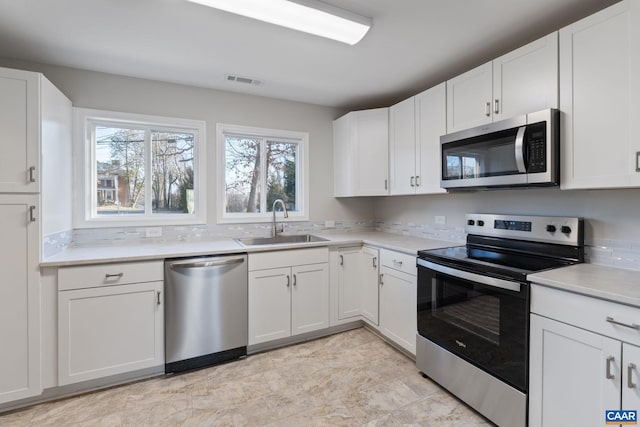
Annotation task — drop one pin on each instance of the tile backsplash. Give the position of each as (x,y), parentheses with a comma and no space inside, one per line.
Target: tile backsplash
(615,253)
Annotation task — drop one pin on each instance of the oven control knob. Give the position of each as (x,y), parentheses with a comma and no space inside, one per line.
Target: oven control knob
(481,223)
(565,229)
(551,228)
(471,222)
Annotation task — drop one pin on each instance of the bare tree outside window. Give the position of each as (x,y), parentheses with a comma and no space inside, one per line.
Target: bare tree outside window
(254,165)
(172,171)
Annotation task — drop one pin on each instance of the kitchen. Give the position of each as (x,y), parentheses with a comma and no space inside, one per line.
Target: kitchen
(610,235)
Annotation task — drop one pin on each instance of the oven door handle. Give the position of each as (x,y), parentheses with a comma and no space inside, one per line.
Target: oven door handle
(479,278)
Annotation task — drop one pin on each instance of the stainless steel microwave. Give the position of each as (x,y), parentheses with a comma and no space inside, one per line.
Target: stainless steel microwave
(519,152)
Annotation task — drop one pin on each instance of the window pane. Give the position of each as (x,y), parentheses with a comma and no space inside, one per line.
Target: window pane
(242,174)
(172,183)
(120,170)
(281,174)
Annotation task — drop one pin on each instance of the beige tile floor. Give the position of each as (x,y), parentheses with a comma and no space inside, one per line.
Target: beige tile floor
(348,379)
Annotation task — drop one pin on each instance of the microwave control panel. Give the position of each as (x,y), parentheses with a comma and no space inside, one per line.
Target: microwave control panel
(536,143)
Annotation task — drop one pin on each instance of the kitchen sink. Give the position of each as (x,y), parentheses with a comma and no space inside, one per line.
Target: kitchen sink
(281,239)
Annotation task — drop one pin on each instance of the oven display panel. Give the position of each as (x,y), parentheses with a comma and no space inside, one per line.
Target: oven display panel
(500,224)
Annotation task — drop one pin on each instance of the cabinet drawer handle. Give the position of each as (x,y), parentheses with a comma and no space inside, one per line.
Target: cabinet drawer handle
(630,369)
(626,325)
(610,359)
(397,262)
(341,260)
(32,174)
(110,276)
(417,181)
(386,184)
(412,179)
(295,280)
(288,280)
(32,213)
(380,279)
(158,297)
(496,106)
(374,262)
(487,109)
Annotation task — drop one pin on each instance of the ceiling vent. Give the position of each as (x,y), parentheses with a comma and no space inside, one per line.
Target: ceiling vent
(244,80)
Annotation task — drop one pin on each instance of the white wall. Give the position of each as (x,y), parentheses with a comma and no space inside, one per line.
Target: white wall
(609,214)
(118,93)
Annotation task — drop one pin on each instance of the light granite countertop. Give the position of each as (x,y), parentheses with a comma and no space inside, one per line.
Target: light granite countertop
(138,252)
(599,281)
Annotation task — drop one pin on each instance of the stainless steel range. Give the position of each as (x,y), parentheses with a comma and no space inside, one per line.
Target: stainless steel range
(473,308)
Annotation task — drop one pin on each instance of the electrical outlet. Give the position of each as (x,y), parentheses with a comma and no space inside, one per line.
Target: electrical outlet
(153,232)
(441,219)
(329,223)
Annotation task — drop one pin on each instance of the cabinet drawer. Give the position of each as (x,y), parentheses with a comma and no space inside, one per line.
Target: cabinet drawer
(399,261)
(93,276)
(288,258)
(587,312)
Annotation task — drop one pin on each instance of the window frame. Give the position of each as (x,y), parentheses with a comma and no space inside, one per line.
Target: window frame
(302,165)
(85,170)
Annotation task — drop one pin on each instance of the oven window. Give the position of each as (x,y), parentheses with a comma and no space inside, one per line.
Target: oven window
(478,314)
(485,325)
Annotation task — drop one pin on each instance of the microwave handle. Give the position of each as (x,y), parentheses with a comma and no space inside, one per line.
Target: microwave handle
(520,150)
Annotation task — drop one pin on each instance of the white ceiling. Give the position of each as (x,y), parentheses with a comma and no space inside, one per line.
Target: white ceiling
(413,44)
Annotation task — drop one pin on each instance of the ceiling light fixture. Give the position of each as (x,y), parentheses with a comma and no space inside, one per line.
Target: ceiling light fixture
(310,16)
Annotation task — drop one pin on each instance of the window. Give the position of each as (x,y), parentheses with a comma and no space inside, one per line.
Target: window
(140,169)
(258,166)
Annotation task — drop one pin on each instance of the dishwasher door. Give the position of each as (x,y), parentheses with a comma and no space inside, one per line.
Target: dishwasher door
(205,311)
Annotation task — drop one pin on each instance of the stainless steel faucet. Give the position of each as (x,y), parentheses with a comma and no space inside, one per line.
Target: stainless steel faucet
(274,230)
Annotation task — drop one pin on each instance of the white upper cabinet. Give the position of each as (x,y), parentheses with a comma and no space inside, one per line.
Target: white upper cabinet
(469,98)
(415,127)
(360,152)
(431,124)
(402,147)
(600,99)
(522,81)
(526,80)
(20,136)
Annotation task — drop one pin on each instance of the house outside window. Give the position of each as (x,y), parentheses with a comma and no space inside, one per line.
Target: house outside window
(258,166)
(139,169)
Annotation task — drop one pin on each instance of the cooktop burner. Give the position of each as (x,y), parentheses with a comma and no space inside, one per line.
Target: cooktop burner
(513,246)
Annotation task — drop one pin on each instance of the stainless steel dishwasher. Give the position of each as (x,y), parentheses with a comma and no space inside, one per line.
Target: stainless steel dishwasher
(205,311)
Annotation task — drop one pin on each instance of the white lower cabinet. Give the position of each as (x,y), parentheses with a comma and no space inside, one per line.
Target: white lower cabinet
(350,282)
(370,284)
(19,299)
(398,298)
(569,384)
(110,329)
(580,364)
(289,299)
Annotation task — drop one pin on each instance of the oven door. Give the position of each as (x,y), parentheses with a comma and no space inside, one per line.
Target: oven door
(482,319)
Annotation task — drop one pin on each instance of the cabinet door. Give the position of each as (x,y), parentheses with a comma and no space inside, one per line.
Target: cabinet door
(431,123)
(402,147)
(269,305)
(309,298)
(19,299)
(526,80)
(20,136)
(469,97)
(343,157)
(568,383)
(398,302)
(370,287)
(350,283)
(600,98)
(109,330)
(630,377)
(372,152)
